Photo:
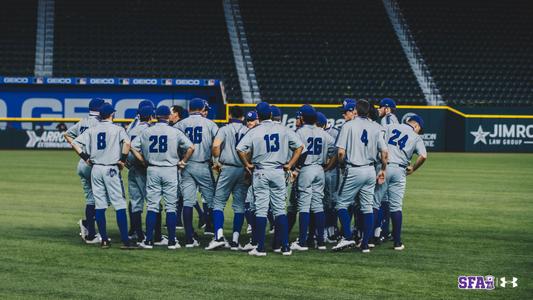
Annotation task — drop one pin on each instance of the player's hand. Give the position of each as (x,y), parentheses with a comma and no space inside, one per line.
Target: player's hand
(250,168)
(181,164)
(381,177)
(287,167)
(409,170)
(120,165)
(89,163)
(217,167)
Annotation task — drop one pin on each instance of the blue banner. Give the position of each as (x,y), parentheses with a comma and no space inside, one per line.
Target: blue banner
(183,82)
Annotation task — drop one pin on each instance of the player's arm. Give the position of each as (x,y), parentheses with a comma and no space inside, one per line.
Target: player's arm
(384,157)
(295,155)
(421,159)
(126,146)
(71,133)
(332,159)
(184,143)
(330,165)
(342,140)
(246,158)
(77,143)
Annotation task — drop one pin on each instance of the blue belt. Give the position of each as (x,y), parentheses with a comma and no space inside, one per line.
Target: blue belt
(232,165)
(262,168)
(358,166)
(399,165)
(110,165)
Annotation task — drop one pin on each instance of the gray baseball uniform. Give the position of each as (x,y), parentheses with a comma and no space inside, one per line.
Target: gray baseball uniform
(361,141)
(318,144)
(269,144)
(402,142)
(103,143)
(331,176)
(83,169)
(231,176)
(136,172)
(380,191)
(160,145)
(389,119)
(198,174)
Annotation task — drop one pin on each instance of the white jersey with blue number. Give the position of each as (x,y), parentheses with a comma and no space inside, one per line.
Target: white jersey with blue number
(160,144)
(230,135)
(361,140)
(269,144)
(317,144)
(403,142)
(201,132)
(82,125)
(103,142)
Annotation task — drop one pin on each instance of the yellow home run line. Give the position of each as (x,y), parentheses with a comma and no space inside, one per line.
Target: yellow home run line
(457,112)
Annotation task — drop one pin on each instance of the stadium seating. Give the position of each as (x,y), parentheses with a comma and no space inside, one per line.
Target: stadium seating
(177,39)
(323,51)
(479,52)
(18,19)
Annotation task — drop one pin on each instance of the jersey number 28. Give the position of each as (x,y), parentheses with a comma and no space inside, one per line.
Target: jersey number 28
(159,144)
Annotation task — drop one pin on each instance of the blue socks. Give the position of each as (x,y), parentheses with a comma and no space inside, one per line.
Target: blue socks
(100,221)
(122,222)
(386,218)
(260,224)
(291,220)
(248,213)
(368,228)
(187,222)
(238,220)
(171,227)
(283,222)
(344,218)
(136,224)
(150,225)
(304,223)
(218,221)
(89,219)
(254,228)
(179,209)
(396,226)
(320,224)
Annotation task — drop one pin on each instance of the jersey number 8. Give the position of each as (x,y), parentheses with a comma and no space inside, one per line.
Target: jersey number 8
(100,141)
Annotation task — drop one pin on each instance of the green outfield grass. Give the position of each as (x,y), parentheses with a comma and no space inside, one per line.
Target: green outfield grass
(464,214)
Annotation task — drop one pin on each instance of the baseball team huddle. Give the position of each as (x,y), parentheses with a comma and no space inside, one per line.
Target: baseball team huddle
(329,176)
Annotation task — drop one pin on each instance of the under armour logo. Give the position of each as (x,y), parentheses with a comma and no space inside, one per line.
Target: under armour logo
(504,282)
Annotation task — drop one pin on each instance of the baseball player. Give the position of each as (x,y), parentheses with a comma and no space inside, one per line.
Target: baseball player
(249,213)
(137,174)
(310,183)
(292,209)
(264,151)
(160,145)
(358,144)
(87,228)
(276,114)
(331,179)
(387,109)
(230,179)
(107,147)
(403,141)
(198,173)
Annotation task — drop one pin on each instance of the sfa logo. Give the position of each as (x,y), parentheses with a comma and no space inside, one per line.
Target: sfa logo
(475,282)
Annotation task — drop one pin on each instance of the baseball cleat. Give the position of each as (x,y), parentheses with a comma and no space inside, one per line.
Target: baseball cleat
(277,250)
(234,246)
(254,252)
(286,251)
(146,244)
(201,223)
(321,246)
(192,244)
(105,244)
(83,230)
(162,242)
(399,247)
(371,245)
(365,249)
(296,246)
(95,240)
(179,227)
(249,229)
(215,244)
(343,244)
(249,247)
(174,246)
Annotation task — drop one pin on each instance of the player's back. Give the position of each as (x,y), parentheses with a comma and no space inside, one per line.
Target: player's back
(317,143)
(403,142)
(82,125)
(104,142)
(133,134)
(231,134)
(201,132)
(362,140)
(160,143)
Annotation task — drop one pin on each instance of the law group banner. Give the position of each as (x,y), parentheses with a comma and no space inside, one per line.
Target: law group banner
(499,135)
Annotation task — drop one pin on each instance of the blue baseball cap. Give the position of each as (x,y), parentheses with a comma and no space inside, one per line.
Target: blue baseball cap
(95,104)
(162,111)
(146,111)
(276,112)
(417,119)
(106,110)
(184,113)
(206,105)
(387,102)
(298,114)
(197,104)
(307,111)
(264,111)
(321,119)
(145,103)
(348,104)
(251,116)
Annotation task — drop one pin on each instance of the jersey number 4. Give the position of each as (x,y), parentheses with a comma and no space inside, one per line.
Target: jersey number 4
(401,142)
(195,134)
(159,144)
(272,142)
(314,146)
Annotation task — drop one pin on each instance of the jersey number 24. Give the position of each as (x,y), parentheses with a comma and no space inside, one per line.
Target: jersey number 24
(401,142)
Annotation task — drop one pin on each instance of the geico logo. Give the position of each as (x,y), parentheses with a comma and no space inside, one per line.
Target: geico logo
(188,81)
(102,81)
(144,81)
(58,80)
(15,80)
